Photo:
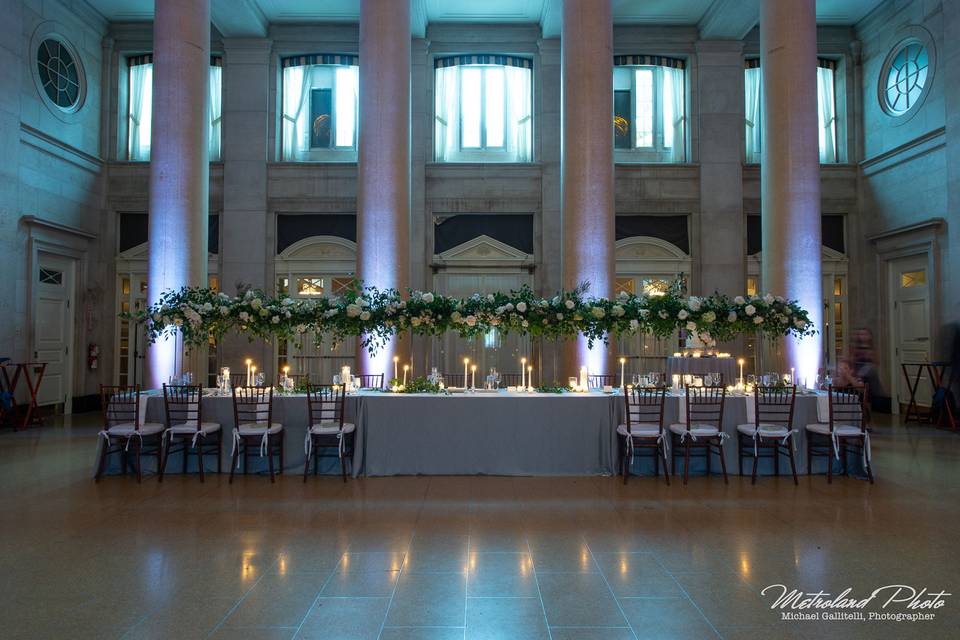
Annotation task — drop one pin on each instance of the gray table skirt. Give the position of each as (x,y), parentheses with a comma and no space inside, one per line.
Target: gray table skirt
(502,434)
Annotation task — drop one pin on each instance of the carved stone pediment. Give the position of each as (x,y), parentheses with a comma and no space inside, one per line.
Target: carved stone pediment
(483,248)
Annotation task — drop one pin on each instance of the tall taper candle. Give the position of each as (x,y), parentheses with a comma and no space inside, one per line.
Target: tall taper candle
(530,377)
(473,376)
(523,366)
(396,366)
(466,363)
(405,368)
(623,362)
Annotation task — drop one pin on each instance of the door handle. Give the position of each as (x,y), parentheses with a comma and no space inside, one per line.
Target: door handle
(922,339)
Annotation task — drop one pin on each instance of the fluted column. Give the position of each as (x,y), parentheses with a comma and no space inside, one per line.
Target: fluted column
(587,160)
(383,183)
(179,162)
(790,168)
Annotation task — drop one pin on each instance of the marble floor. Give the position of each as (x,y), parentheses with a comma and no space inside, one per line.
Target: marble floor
(463,557)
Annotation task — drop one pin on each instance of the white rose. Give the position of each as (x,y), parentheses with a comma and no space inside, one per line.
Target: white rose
(635,324)
(691,326)
(275,320)
(569,304)
(301,328)
(768,299)
(694,303)
(739,300)
(758,320)
(256,303)
(709,317)
(559,316)
(597,312)
(207,307)
(471,321)
(365,315)
(522,307)
(617,311)
(415,321)
(490,297)
(682,314)
(644,313)
(526,324)
(428,298)
(799,324)
(749,309)
(353,310)
(287,314)
(403,304)
(244,316)
(224,311)
(663,314)
(732,316)
(509,306)
(455,316)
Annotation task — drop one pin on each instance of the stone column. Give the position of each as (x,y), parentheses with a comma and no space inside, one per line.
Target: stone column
(587,203)
(179,163)
(722,236)
(383,183)
(790,169)
(246,249)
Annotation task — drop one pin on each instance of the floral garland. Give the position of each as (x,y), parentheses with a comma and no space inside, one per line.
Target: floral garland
(376,315)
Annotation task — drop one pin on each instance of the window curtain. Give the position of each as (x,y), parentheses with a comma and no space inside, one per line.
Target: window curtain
(519,120)
(296,99)
(216,111)
(447,113)
(753,125)
(673,113)
(826,115)
(141,111)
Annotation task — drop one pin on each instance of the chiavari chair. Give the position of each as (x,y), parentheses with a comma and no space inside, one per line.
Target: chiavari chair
(600,380)
(643,429)
(328,430)
(511,379)
(254,426)
(846,431)
(370,380)
(122,428)
(702,429)
(771,430)
(455,380)
(186,428)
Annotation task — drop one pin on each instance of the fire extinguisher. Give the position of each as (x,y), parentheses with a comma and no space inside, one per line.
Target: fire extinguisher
(93,356)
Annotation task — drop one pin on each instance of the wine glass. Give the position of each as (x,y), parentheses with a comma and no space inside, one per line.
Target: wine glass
(260,378)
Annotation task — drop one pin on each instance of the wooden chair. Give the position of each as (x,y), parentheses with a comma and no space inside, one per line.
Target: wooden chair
(643,428)
(600,380)
(185,426)
(254,425)
(703,428)
(772,429)
(122,428)
(845,432)
(510,379)
(454,380)
(328,430)
(371,380)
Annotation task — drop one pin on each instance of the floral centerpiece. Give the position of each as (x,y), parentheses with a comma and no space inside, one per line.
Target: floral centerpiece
(376,315)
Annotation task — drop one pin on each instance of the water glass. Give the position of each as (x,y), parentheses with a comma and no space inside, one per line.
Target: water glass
(751,379)
(260,378)
(336,380)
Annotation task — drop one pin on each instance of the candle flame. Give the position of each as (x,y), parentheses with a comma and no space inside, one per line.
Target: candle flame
(249,362)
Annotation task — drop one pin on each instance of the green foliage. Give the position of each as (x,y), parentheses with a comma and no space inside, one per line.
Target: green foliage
(375,316)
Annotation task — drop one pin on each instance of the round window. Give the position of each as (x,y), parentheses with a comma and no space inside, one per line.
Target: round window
(59,74)
(905,78)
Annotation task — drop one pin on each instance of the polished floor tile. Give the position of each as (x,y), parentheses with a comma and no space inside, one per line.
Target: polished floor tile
(457,558)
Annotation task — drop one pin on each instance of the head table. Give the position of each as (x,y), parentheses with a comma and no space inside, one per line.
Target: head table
(498,433)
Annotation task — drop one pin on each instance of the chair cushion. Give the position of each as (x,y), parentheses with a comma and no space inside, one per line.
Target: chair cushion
(698,429)
(206,427)
(766,430)
(330,428)
(642,430)
(127,429)
(254,429)
(842,430)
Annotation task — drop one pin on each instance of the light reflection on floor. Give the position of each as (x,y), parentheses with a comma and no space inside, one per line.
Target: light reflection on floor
(442,557)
